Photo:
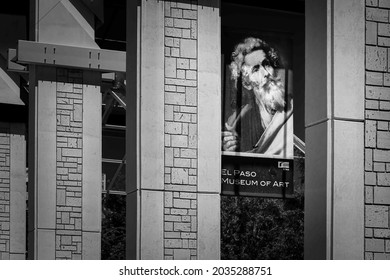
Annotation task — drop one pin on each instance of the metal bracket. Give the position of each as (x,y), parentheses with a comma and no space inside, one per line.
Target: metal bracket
(12,65)
(29,52)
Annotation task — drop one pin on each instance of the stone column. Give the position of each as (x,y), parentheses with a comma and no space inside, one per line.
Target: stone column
(65,143)
(174,176)
(13,191)
(334,108)
(377,135)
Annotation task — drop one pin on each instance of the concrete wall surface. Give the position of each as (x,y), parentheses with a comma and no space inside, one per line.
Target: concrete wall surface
(334,107)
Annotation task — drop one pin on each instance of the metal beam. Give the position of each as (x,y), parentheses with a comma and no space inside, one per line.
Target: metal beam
(118,170)
(12,65)
(119,98)
(29,52)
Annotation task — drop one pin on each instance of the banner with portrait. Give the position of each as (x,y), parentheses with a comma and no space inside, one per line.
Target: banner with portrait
(257,130)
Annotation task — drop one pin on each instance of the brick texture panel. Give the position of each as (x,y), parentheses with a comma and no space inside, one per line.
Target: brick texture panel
(4,192)
(69,164)
(377,134)
(180,197)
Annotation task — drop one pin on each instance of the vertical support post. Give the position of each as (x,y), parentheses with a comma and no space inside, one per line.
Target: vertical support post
(12,191)
(65,143)
(334,185)
(173,130)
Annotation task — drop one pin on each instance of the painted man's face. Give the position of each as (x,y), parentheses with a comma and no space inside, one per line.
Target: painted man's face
(256,70)
(258,75)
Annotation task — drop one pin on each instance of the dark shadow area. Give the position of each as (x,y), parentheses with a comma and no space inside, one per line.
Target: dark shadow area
(255,228)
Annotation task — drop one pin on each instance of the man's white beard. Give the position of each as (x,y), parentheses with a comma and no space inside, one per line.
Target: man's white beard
(271,99)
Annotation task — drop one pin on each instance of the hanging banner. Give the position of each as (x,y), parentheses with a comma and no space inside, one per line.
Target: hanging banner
(257,176)
(257,130)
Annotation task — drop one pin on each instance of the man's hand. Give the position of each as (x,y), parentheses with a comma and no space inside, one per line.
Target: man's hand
(230,141)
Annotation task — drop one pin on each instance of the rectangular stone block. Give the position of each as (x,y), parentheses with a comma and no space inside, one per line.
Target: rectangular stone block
(378,93)
(179,141)
(168,157)
(372,104)
(181,82)
(382,195)
(188,109)
(369,194)
(371,33)
(191,96)
(188,48)
(375,245)
(189,14)
(368,160)
(73,201)
(374,78)
(376,58)
(383,140)
(384,105)
(387,247)
(183,63)
(182,203)
(375,14)
(173,32)
(377,216)
(181,254)
(381,233)
(174,98)
(384,29)
(179,176)
(67,152)
(181,74)
(182,23)
(368,232)
(383,179)
(182,162)
(384,4)
(191,75)
(173,127)
(370,178)
(368,256)
(379,167)
(176,13)
(384,41)
(194,29)
(382,155)
(377,115)
(170,67)
(383,125)
(373,3)
(182,212)
(172,243)
(168,22)
(182,226)
(188,153)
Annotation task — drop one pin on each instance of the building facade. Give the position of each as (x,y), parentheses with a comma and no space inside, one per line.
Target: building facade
(54,72)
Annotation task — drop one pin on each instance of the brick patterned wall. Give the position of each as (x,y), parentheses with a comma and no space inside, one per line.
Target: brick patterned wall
(4,192)
(377,134)
(180,203)
(69,164)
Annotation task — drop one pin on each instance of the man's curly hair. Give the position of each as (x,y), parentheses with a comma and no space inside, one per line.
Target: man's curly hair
(247,46)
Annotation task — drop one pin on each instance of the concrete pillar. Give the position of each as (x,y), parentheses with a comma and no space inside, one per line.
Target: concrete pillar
(64,143)
(173,125)
(13,191)
(334,184)
(377,135)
